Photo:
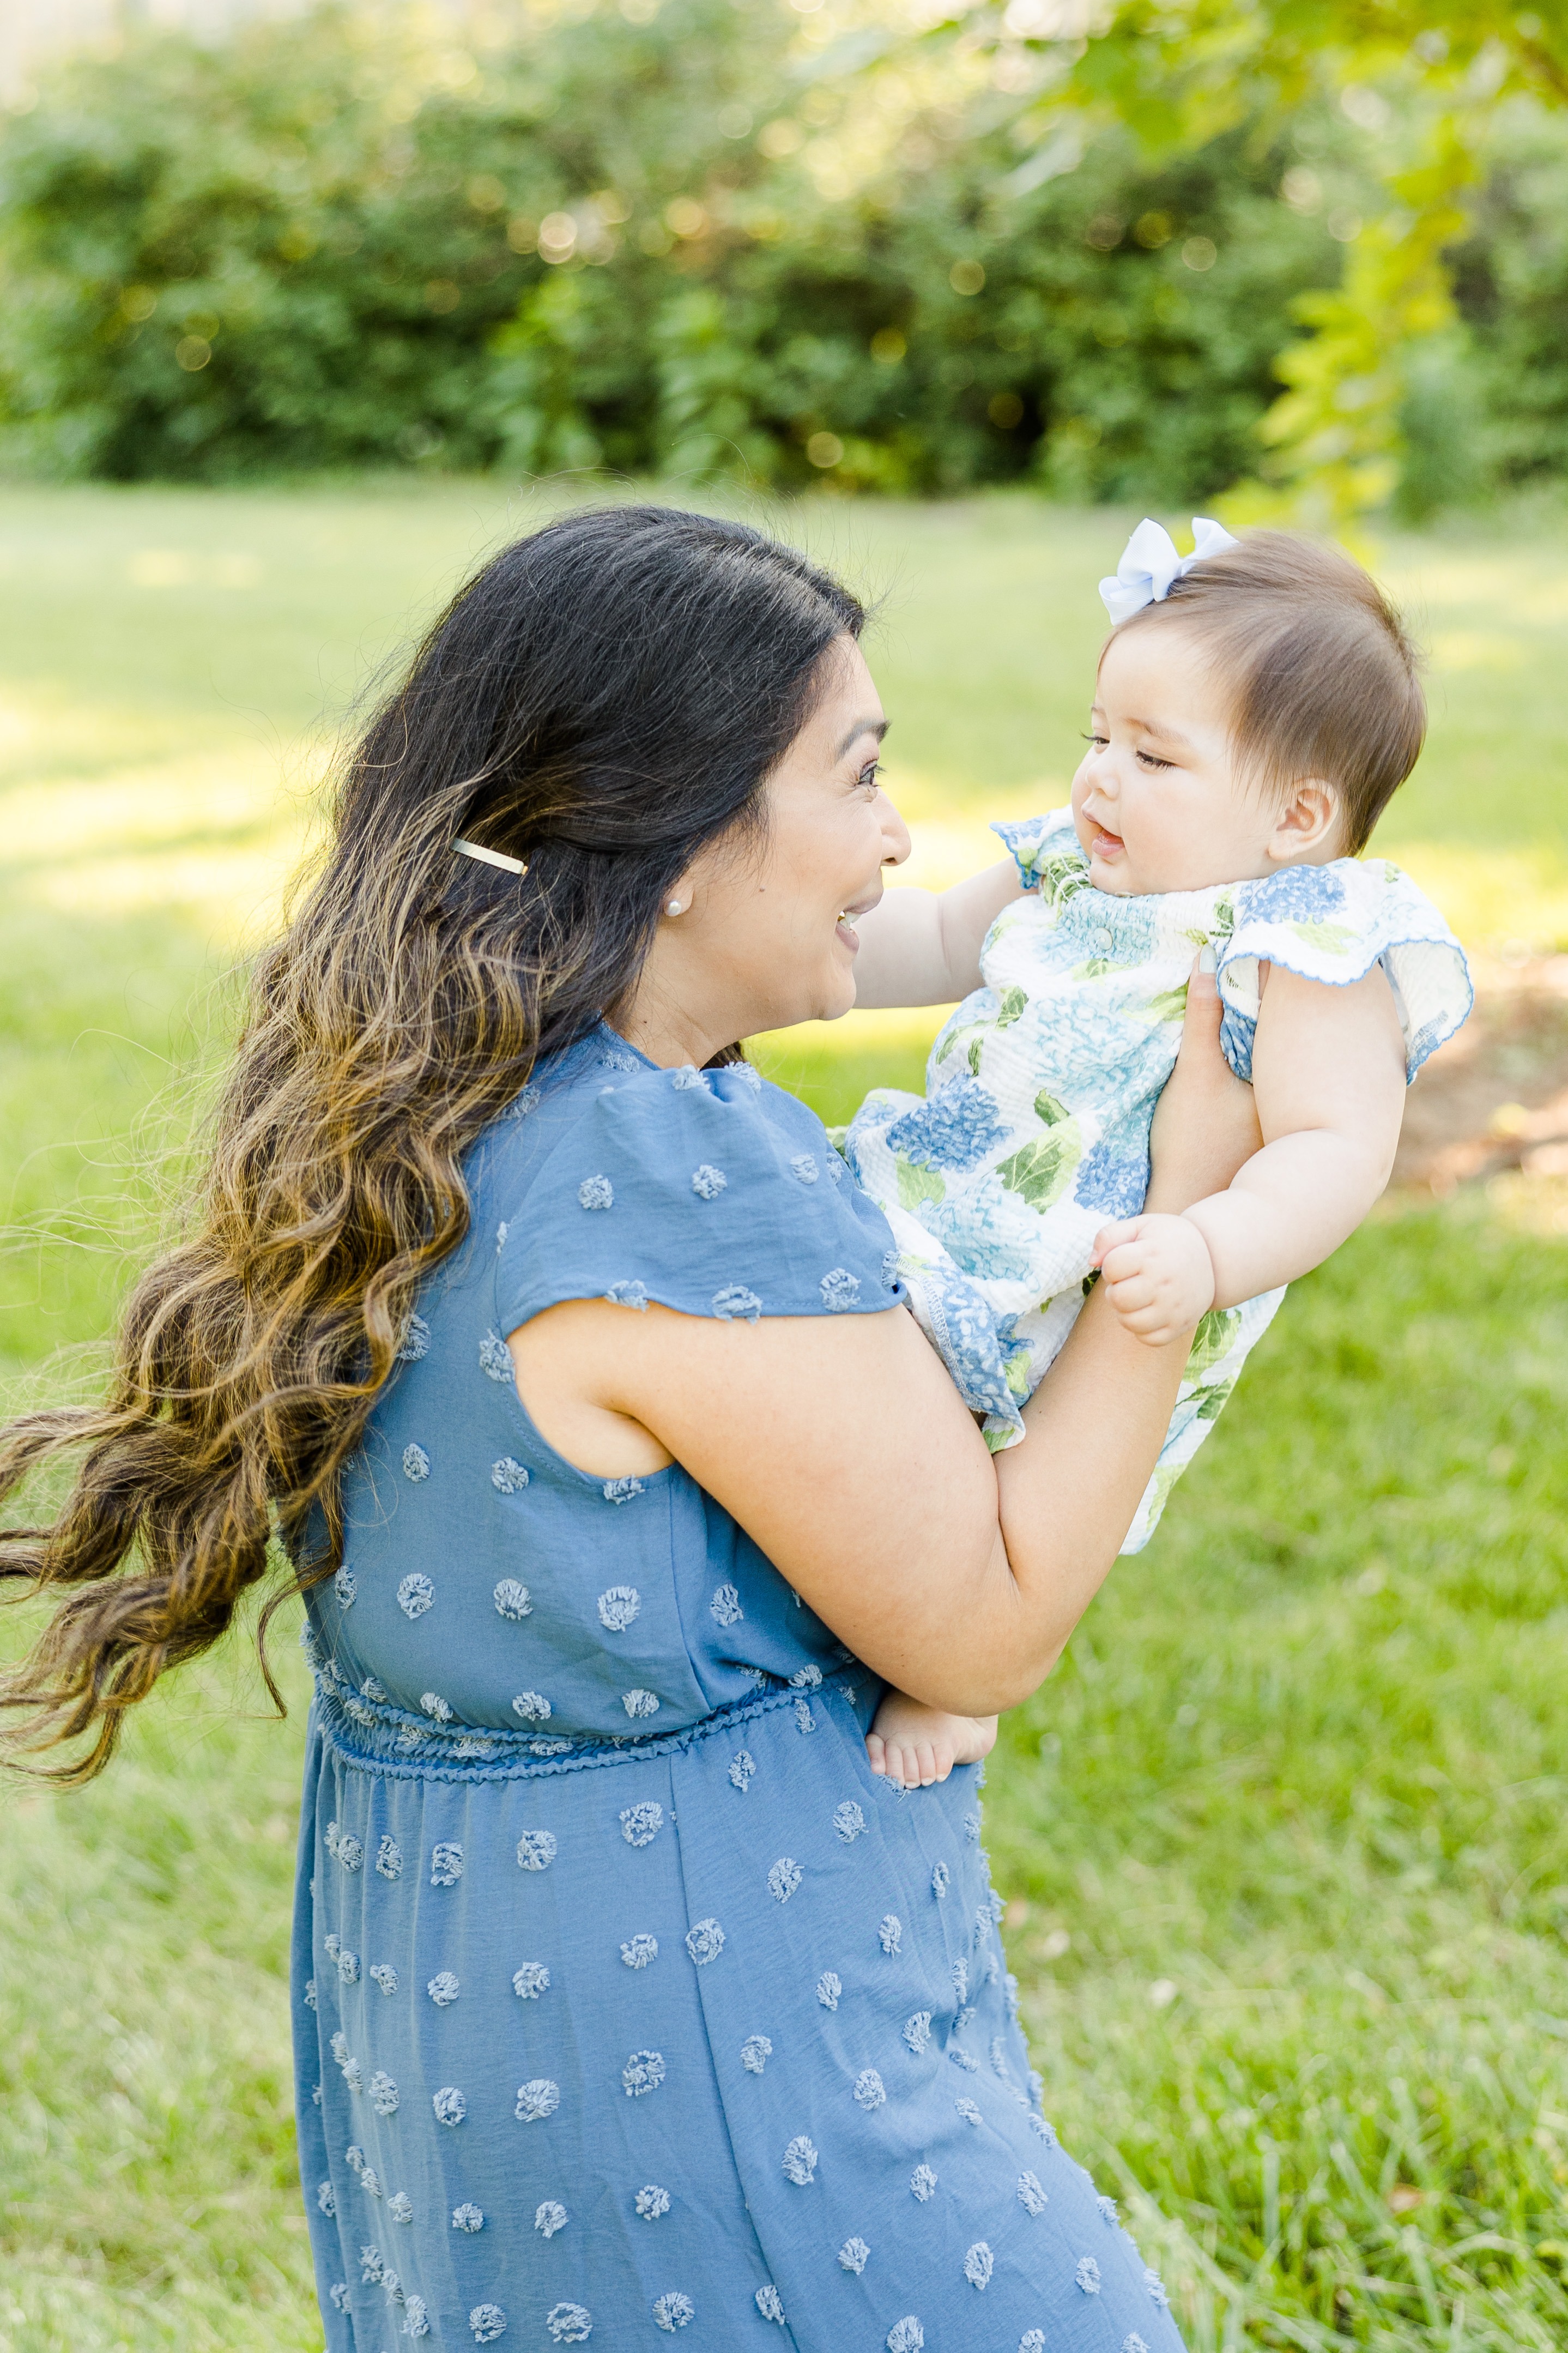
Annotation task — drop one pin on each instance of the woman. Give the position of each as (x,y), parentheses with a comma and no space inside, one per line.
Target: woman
(571,1372)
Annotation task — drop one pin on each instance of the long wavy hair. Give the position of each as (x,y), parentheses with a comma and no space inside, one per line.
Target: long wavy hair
(602,701)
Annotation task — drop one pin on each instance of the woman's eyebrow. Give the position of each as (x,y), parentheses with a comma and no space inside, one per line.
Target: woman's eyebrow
(877,727)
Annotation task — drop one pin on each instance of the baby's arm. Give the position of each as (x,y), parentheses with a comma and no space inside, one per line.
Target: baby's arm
(922,947)
(917,1744)
(1328,1075)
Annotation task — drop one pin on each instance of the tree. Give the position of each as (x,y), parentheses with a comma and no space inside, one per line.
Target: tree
(1424,82)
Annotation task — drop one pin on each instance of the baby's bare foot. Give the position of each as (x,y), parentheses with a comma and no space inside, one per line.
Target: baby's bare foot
(915,1745)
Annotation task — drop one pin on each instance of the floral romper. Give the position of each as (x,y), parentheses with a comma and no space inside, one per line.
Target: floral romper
(1040,1089)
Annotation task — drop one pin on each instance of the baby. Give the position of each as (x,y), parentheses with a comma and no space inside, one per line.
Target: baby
(1256,706)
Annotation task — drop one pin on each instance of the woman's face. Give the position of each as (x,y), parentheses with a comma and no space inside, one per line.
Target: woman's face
(766,935)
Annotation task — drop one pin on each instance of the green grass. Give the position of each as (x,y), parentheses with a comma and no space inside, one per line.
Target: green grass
(1285,1836)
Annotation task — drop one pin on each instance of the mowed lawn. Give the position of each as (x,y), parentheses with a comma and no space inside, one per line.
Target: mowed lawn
(1285,1839)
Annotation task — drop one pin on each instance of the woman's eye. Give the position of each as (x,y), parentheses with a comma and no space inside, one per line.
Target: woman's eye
(868,774)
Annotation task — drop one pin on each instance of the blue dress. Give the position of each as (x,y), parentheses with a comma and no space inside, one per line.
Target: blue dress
(628,2000)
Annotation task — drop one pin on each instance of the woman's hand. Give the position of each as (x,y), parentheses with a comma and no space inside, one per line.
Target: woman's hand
(1206,1122)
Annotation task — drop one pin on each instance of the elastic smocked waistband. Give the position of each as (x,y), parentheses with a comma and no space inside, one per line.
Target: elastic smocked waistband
(374,1736)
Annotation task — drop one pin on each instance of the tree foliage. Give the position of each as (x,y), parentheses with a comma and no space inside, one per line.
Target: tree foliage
(1427,83)
(1202,243)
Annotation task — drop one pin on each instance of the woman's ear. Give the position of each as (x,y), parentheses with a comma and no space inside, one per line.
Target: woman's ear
(1307,823)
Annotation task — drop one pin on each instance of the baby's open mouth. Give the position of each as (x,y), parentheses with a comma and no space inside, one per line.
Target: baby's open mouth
(1106,845)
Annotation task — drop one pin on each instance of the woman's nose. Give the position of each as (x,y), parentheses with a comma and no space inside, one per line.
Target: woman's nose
(895,834)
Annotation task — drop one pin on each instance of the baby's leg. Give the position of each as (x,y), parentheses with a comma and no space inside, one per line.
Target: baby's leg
(917,1744)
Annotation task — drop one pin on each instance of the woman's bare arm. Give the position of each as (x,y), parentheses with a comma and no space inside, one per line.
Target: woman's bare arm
(844,1448)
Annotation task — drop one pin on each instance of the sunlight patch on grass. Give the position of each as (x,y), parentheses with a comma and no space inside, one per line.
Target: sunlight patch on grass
(1510,901)
(211,831)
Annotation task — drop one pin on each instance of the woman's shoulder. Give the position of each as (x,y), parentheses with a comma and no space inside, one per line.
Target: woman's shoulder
(709,1191)
(602,1087)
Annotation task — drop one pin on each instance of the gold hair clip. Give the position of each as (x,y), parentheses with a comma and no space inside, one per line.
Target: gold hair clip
(490,857)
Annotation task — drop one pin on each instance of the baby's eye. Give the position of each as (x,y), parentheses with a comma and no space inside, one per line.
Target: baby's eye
(1099,742)
(1152,760)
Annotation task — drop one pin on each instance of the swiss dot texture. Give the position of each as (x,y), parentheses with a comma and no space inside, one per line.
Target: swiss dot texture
(607,1939)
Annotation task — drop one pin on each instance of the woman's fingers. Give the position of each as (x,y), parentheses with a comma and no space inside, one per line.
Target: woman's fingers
(1201,1021)
(1206,1124)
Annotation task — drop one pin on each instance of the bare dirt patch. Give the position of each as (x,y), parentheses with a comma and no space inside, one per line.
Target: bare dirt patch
(1495,1098)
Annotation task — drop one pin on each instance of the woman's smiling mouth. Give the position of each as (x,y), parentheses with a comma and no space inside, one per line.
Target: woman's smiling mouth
(845,927)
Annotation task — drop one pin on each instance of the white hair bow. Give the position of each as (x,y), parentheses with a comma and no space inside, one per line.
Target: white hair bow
(1149,564)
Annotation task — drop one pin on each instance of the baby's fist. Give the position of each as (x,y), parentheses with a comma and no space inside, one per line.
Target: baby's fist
(1158,1274)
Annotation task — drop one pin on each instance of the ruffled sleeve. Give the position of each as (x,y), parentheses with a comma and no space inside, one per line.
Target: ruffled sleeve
(1332,923)
(706,1191)
(1046,850)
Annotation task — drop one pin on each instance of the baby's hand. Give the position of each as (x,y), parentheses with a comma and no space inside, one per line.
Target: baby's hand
(917,1744)
(1158,1274)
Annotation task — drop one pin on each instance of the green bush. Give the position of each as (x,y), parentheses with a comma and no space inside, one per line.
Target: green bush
(312,247)
(608,244)
(1504,376)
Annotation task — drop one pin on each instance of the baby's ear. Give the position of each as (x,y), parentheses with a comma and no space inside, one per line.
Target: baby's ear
(1308,822)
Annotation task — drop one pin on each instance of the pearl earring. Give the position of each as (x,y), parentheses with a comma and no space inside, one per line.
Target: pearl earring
(675,907)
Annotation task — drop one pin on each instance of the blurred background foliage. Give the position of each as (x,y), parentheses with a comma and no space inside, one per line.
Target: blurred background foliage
(804,241)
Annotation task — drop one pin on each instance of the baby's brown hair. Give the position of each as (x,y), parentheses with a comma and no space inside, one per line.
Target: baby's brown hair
(1323,678)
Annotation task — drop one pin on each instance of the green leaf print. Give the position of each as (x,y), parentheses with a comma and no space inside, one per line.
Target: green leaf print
(1220,924)
(917,1184)
(1095,969)
(1012,1003)
(1049,1111)
(1169,1005)
(975,1045)
(1159,1490)
(1334,939)
(1213,1336)
(1061,874)
(1041,1170)
(974,1030)
(1211,1400)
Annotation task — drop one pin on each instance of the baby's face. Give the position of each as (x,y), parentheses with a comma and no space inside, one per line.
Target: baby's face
(1157,801)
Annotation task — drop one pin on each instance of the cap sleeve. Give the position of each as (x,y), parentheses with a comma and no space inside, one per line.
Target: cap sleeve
(1045,850)
(1332,923)
(703,1190)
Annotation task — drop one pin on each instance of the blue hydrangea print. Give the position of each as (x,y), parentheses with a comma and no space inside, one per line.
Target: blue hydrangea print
(957,1129)
(1113,1180)
(1296,894)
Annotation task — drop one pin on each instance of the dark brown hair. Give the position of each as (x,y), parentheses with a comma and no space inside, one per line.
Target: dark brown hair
(1322,676)
(603,700)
